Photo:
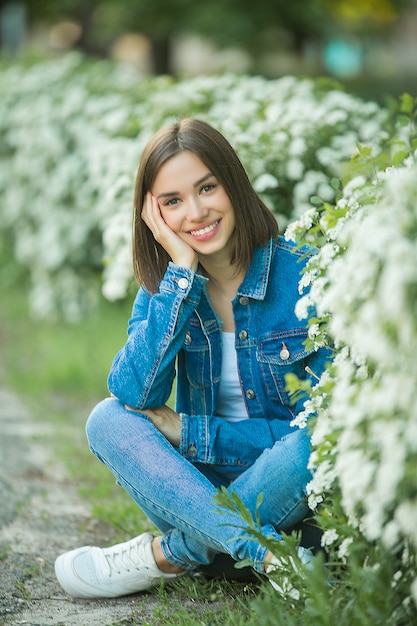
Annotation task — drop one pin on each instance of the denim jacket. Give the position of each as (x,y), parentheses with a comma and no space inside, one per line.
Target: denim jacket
(177,329)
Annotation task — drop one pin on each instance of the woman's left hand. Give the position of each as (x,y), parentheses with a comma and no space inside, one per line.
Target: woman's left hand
(167,421)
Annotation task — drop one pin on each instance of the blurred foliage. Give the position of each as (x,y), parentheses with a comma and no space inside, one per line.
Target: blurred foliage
(367,12)
(258,28)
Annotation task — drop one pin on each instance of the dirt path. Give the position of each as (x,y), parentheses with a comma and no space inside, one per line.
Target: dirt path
(41,516)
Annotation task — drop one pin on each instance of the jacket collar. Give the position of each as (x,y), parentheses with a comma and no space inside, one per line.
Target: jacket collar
(255,283)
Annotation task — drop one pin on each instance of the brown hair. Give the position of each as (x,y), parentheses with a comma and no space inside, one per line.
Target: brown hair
(254,222)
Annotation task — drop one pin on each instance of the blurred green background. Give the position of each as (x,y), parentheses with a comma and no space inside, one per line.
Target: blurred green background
(369,45)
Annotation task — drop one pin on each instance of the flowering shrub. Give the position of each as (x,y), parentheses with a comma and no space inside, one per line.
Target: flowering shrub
(71,137)
(52,177)
(364,285)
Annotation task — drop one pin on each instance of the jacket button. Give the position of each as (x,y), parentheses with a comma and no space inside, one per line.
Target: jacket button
(244,301)
(192,451)
(243,335)
(250,394)
(183,283)
(187,339)
(284,354)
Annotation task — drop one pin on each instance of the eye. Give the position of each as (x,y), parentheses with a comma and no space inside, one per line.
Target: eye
(171,202)
(208,187)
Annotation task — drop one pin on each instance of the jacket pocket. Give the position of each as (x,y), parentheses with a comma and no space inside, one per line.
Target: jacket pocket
(279,354)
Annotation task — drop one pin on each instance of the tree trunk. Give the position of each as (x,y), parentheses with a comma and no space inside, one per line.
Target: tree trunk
(84,15)
(162,56)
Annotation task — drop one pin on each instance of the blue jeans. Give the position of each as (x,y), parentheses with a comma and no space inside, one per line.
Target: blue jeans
(177,495)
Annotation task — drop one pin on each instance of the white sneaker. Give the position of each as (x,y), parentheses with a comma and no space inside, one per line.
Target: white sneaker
(285,587)
(128,567)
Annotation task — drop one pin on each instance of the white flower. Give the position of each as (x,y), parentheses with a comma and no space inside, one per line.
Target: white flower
(343,550)
(329,537)
(314,500)
(327,156)
(297,147)
(302,307)
(405,516)
(290,233)
(301,418)
(265,182)
(294,168)
(313,331)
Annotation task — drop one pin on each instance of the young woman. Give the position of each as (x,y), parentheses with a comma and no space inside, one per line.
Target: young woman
(215,311)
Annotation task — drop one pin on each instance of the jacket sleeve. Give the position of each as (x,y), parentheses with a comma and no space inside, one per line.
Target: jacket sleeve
(211,439)
(207,438)
(143,371)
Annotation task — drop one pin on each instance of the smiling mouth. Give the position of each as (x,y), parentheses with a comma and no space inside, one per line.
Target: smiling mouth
(204,231)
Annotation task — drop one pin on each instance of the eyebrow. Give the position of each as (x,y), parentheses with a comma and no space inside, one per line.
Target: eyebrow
(196,184)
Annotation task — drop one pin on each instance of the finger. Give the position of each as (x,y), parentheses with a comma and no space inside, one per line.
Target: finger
(155,213)
(153,218)
(146,208)
(131,408)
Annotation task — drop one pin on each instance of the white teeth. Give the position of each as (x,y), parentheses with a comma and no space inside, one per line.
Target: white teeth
(204,231)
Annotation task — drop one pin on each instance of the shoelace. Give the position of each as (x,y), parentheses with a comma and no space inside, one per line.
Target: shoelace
(125,556)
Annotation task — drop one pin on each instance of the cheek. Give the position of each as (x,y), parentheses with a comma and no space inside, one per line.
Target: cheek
(226,204)
(170,218)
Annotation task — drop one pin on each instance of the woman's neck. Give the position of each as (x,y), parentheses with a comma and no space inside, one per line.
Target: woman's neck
(222,286)
(218,268)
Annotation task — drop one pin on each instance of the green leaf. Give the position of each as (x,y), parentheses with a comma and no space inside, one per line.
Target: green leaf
(407,103)
(316,200)
(292,383)
(399,157)
(403,120)
(364,151)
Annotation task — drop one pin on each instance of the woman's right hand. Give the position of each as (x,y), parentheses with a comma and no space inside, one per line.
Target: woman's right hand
(180,252)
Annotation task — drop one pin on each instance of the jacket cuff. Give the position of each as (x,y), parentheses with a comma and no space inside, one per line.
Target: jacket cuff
(193,438)
(184,281)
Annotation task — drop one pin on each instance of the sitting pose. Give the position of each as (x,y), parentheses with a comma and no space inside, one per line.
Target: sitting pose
(214,313)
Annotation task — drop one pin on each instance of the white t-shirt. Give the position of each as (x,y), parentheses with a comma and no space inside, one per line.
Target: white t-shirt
(231,405)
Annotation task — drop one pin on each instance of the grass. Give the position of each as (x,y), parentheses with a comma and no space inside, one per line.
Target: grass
(60,371)
(70,361)
(191,602)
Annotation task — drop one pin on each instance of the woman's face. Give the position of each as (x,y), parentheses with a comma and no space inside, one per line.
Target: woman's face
(194,204)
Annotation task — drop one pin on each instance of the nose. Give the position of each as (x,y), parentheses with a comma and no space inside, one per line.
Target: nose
(197,209)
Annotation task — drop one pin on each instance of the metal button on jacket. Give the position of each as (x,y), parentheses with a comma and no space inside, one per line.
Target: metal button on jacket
(250,394)
(192,451)
(183,283)
(243,300)
(284,354)
(243,335)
